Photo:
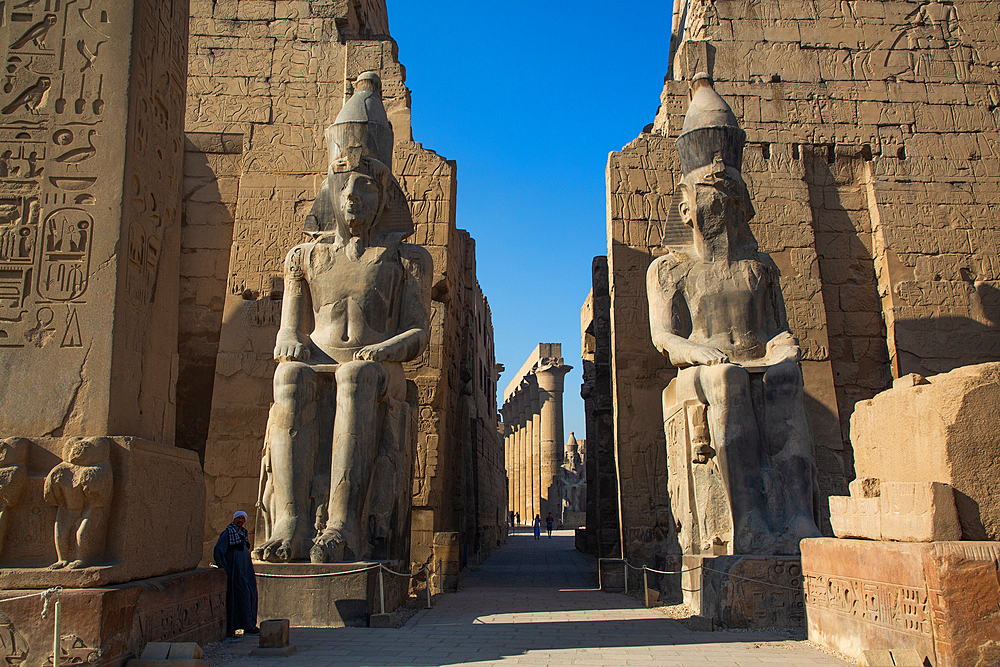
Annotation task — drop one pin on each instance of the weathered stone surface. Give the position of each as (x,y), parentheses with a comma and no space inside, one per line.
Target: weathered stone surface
(151,481)
(940,599)
(107,626)
(329,600)
(899,511)
(533,413)
(942,429)
(745,591)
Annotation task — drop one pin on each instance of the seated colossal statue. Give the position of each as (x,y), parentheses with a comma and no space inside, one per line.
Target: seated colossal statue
(739,443)
(337,465)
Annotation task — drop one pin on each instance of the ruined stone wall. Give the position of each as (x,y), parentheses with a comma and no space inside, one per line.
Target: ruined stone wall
(269,76)
(873,162)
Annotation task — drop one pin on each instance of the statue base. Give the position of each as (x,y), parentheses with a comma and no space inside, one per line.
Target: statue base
(155,518)
(940,599)
(745,591)
(109,626)
(320,596)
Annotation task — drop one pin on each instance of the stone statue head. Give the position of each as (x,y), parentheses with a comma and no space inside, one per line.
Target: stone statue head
(364,196)
(86,451)
(13,451)
(715,201)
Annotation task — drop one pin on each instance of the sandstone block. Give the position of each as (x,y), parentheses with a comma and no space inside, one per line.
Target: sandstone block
(274,633)
(899,511)
(939,599)
(941,431)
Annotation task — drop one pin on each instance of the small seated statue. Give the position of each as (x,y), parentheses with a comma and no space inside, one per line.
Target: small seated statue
(339,443)
(741,464)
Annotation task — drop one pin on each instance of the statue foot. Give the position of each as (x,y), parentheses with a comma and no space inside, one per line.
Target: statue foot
(75,565)
(801,527)
(284,545)
(58,565)
(328,547)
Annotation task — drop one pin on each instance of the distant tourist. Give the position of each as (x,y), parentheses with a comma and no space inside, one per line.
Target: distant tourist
(232,554)
(517,518)
(537,525)
(549,520)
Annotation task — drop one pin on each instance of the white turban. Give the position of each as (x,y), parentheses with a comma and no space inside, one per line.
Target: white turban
(239,513)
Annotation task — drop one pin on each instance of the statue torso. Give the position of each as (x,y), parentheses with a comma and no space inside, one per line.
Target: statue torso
(355,301)
(727,306)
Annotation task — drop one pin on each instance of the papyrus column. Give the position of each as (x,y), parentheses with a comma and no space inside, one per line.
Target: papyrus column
(535,434)
(550,394)
(522,450)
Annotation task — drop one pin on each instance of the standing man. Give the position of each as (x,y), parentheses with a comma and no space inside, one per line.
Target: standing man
(232,554)
(549,520)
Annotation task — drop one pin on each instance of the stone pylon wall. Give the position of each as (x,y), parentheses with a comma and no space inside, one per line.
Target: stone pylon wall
(266,78)
(874,166)
(533,427)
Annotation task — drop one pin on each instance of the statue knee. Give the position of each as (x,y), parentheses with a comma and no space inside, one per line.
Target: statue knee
(785,376)
(727,381)
(360,373)
(291,378)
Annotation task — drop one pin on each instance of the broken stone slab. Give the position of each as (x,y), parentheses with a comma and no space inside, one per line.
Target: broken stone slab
(896,511)
(939,599)
(938,429)
(274,633)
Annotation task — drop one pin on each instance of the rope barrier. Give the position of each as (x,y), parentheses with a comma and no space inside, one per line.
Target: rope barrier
(316,575)
(46,595)
(698,567)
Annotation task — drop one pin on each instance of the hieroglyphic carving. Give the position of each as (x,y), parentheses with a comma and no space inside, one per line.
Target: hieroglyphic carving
(764,592)
(903,608)
(178,619)
(14,647)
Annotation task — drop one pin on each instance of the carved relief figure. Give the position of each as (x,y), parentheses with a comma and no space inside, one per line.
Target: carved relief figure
(717,313)
(355,307)
(81,487)
(13,474)
(13,646)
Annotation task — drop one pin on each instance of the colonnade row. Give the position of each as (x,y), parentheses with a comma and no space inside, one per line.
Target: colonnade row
(532,415)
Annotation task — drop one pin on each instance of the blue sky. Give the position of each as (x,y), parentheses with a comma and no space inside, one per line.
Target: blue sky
(529,98)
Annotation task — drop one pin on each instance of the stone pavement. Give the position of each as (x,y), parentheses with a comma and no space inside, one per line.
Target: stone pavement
(532,603)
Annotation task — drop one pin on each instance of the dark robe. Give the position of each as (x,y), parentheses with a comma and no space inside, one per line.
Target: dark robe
(241,584)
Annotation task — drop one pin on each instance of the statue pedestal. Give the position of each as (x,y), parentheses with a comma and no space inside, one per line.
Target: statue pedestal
(109,625)
(155,518)
(941,599)
(316,596)
(745,591)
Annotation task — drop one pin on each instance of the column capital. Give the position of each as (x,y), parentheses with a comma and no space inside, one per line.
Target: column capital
(550,376)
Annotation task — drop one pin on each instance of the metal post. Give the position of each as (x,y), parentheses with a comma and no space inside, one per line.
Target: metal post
(381,588)
(56,631)
(625,565)
(428,589)
(645,584)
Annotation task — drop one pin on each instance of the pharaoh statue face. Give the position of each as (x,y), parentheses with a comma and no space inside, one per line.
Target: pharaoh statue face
(359,202)
(715,201)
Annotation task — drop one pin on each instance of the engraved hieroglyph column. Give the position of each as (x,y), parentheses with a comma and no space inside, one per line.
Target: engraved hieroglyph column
(524,410)
(91,137)
(550,390)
